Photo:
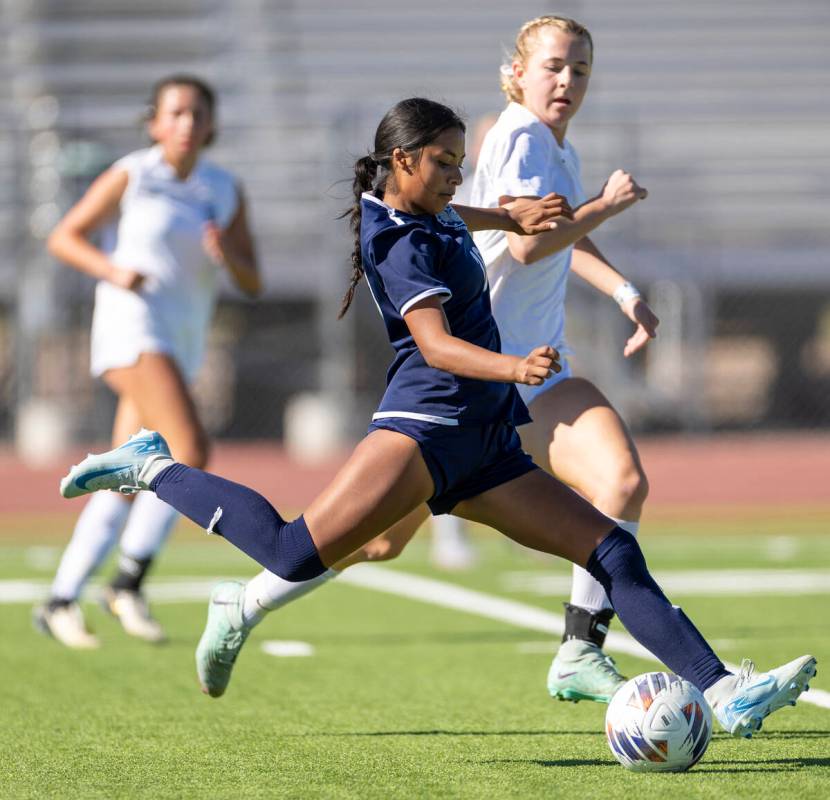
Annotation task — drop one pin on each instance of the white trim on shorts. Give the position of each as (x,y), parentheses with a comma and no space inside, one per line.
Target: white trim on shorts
(448,421)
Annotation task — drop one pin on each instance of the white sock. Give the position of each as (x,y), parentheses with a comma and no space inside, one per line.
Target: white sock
(448,528)
(152,466)
(451,548)
(720,690)
(268,592)
(148,526)
(586,590)
(95,534)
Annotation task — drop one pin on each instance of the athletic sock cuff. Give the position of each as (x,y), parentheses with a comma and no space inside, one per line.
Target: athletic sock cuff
(607,553)
(298,556)
(172,471)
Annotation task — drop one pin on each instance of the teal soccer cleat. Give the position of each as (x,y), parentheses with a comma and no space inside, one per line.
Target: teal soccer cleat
(742,707)
(223,637)
(120,469)
(581,671)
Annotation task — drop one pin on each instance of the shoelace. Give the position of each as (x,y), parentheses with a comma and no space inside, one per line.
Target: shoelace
(609,666)
(229,647)
(605,663)
(746,673)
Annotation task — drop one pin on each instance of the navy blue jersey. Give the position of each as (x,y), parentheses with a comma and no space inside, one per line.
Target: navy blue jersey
(407,258)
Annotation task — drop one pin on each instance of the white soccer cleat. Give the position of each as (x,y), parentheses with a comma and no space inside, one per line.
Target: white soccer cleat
(121,469)
(223,637)
(746,699)
(582,671)
(65,623)
(132,611)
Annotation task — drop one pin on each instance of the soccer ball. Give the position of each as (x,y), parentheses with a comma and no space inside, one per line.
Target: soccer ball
(657,722)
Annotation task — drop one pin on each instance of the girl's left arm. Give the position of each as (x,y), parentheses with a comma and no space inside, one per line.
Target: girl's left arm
(591,265)
(234,249)
(522,215)
(429,328)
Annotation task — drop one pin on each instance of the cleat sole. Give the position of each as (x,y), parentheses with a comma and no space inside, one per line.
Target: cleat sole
(574,696)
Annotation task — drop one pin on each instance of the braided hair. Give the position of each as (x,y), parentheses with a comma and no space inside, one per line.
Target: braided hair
(409,125)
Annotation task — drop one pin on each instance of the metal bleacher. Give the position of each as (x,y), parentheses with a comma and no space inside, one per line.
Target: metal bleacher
(719,108)
(714,105)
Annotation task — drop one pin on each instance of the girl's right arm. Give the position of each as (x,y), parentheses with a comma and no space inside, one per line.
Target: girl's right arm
(523,216)
(69,241)
(429,328)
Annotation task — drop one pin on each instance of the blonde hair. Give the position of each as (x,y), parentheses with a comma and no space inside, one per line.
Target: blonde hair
(526,40)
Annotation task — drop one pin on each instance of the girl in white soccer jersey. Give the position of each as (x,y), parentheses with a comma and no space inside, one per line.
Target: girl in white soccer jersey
(444,434)
(575,430)
(170,221)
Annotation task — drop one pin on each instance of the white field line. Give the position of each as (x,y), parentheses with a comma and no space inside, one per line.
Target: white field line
(402,584)
(691,582)
(287,649)
(169,590)
(447,595)
(676,583)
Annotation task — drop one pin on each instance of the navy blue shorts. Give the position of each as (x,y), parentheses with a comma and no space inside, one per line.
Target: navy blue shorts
(463,461)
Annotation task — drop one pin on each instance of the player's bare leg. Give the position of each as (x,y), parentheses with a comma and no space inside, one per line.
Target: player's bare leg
(235,608)
(586,444)
(152,394)
(536,511)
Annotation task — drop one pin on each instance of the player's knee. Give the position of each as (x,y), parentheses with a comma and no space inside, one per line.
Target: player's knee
(631,484)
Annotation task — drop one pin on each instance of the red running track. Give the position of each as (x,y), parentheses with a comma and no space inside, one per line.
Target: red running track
(686,474)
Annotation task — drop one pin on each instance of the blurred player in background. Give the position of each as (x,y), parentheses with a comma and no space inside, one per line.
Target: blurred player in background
(576,430)
(170,219)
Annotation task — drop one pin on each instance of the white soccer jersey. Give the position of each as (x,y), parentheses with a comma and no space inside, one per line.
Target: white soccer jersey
(520,156)
(159,233)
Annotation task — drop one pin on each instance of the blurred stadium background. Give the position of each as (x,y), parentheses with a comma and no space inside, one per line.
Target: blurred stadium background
(719,108)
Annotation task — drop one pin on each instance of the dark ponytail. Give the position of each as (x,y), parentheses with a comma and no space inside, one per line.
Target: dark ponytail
(409,125)
(365,173)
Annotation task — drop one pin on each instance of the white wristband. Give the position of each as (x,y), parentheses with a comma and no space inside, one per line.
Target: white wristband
(625,292)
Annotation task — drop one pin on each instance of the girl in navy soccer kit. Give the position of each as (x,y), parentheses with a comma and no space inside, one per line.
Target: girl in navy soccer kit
(576,432)
(444,434)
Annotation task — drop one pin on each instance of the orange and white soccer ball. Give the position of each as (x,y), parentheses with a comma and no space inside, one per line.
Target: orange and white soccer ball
(658,722)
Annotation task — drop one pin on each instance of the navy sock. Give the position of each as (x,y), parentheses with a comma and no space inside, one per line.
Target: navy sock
(243,517)
(662,628)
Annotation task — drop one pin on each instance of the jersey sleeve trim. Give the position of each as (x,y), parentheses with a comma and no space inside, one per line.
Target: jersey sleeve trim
(440,290)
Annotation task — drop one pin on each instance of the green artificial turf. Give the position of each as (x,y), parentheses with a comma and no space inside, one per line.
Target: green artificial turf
(401,699)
